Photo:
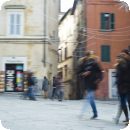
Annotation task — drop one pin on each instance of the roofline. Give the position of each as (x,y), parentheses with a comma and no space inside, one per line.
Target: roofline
(74,6)
(64,16)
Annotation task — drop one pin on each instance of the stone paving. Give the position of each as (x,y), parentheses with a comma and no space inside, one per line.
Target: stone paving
(17,114)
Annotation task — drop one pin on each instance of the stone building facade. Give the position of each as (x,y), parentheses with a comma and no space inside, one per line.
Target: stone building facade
(70,43)
(29,37)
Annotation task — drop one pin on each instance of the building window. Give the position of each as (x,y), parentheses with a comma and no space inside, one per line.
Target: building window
(54,36)
(65,53)
(107,21)
(129,48)
(105,53)
(15,24)
(66,70)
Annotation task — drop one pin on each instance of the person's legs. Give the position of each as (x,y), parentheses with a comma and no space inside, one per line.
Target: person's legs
(124,106)
(61,94)
(45,92)
(56,93)
(86,101)
(92,102)
(53,92)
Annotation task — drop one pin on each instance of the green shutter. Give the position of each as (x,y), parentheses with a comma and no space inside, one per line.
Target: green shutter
(102,21)
(112,21)
(105,53)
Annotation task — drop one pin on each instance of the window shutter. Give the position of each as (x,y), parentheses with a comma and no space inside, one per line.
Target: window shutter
(105,53)
(102,21)
(112,21)
(129,48)
(12,23)
(18,24)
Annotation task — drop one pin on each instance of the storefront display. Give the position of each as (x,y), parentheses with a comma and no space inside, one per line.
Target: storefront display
(2,81)
(25,82)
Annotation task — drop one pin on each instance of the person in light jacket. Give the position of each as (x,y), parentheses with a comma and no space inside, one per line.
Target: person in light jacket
(45,86)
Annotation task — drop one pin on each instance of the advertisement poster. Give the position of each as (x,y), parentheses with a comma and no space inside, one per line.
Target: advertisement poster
(10,80)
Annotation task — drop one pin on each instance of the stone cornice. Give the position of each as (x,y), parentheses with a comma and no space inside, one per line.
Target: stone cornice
(15,7)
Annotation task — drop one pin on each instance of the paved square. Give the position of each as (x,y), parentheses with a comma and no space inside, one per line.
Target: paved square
(44,114)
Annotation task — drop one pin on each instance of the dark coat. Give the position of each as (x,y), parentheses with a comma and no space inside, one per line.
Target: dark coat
(30,81)
(45,85)
(125,78)
(89,81)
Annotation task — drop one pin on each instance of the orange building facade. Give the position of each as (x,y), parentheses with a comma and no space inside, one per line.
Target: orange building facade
(107,33)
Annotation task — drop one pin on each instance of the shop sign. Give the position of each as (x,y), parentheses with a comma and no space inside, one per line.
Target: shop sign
(14,61)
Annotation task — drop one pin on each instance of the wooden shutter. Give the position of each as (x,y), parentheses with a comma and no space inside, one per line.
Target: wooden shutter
(102,21)
(112,21)
(12,24)
(105,53)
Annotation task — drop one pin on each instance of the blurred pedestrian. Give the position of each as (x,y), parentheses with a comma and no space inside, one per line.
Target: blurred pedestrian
(55,88)
(61,88)
(31,84)
(126,83)
(45,86)
(121,69)
(35,85)
(92,74)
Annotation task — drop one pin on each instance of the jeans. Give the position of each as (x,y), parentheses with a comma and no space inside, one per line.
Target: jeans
(54,93)
(89,98)
(128,99)
(123,100)
(30,93)
(61,94)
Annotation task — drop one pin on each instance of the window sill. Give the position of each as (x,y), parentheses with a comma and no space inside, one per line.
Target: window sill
(110,30)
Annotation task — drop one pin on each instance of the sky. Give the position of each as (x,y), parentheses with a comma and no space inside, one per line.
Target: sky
(66,4)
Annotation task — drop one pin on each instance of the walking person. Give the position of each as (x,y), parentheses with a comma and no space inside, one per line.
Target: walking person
(55,88)
(92,74)
(45,86)
(126,83)
(31,84)
(121,68)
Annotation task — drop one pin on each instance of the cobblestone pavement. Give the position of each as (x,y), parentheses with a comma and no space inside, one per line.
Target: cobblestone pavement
(44,114)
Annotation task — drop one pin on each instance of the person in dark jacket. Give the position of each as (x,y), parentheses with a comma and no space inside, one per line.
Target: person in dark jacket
(30,86)
(45,86)
(55,88)
(92,74)
(126,81)
(121,69)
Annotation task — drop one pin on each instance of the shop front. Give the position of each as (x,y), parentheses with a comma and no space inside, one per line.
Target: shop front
(13,77)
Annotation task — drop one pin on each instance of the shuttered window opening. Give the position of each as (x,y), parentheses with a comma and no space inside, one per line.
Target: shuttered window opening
(129,48)
(105,53)
(15,24)
(107,21)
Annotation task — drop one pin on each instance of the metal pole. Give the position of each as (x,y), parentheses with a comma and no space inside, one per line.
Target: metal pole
(44,42)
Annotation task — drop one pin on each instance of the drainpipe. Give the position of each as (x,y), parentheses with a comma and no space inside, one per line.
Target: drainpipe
(44,42)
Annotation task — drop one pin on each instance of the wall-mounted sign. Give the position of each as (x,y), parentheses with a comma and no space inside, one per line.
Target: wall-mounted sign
(14,61)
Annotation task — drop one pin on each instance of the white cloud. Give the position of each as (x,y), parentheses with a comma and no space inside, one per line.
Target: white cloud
(66,4)
(2,128)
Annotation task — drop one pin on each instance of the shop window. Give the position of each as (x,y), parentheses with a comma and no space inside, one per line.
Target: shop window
(15,21)
(107,21)
(105,53)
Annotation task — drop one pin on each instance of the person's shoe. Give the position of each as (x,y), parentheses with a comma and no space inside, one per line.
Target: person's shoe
(116,120)
(127,120)
(60,100)
(95,116)
(127,123)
